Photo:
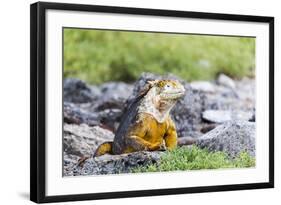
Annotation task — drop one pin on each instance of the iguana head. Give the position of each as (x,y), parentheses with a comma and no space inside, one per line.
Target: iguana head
(160,96)
(168,89)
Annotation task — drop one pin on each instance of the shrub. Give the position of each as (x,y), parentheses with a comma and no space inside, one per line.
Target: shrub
(98,56)
(195,158)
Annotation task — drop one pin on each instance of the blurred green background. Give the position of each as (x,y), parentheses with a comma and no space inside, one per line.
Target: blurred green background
(97,56)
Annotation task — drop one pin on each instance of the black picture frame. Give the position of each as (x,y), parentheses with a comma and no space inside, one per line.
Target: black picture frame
(38,100)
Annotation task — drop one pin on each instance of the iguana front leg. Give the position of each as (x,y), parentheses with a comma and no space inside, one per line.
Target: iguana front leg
(135,138)
(140,144)
(171,136)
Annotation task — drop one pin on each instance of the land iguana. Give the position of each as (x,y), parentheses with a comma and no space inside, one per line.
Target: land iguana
(147,124)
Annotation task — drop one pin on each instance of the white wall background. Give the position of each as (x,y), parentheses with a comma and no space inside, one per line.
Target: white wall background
(14,100)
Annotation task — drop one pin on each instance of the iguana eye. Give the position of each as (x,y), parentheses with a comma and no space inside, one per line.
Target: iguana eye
(167,86)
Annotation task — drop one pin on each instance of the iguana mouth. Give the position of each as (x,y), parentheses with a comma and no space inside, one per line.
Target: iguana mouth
(172,95)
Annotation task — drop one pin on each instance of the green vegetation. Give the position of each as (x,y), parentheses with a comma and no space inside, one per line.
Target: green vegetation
(195,158)
(98,56)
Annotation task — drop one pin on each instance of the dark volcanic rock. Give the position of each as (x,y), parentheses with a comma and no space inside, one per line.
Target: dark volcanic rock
(186,141)
(225,97)
(110,164)
(74,114)
(187,113)
(80,114)
(110,105)
(110,118)
(77,91)
(91,111)
(232,137)
(116,91)
(82,140)
(107,103)
(113,96)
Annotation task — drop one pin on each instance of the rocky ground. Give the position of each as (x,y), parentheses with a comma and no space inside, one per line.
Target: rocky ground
(218,115)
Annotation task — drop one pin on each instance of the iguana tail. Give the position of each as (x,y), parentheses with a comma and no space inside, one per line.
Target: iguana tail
(104,148)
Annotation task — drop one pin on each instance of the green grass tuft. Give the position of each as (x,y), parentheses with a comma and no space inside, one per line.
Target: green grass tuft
(98,56)
(194,159)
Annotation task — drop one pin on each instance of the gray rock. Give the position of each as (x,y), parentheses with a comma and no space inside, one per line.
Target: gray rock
(81,114)
(110,99)
(111,164)
(186,141)
(107,110)
(116,90)
(92,102)
(114,96)
(203,86)
(187,113)
(226,81)
(77,91)
(96,91)
(207,127)
(245,90)
(106,104)
(232,137)
(82,140)
(242,115)
(70,164)
(241,98)
(253,118)
(74,114)
(217,116)
(220,116)
(110,104)
(110,118)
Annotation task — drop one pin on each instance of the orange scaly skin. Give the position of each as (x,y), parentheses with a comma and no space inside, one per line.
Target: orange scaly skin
(153,128)
(149,134)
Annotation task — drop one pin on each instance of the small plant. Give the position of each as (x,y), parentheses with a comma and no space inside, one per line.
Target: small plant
(244,160)
(195,158)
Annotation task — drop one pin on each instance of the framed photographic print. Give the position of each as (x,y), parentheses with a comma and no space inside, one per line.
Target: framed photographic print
(129,102)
